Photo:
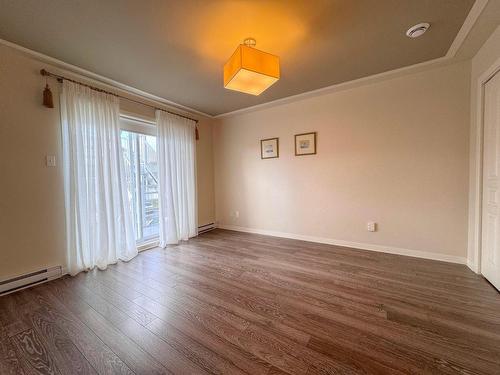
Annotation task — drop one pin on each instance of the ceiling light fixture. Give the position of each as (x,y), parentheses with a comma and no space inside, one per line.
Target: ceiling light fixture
(417,30)
(250,70)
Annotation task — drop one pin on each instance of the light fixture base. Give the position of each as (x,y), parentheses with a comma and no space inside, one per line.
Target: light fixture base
(250,42)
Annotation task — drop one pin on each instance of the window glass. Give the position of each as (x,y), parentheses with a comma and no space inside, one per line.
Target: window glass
(141,169)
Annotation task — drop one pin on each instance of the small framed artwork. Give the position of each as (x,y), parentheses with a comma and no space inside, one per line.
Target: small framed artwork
(305,144)
(269,148)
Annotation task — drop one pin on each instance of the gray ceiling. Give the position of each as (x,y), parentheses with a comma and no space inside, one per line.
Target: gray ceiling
(176,49)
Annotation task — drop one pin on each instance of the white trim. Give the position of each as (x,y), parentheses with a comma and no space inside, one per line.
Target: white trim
(470,21)
(476,184)
(148,245)
(350,244)
(471,265)
(135,117)
(135,125)
(102,80)
(340,86)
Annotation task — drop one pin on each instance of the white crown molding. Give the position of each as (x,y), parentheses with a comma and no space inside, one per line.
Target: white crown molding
(342,86)
(101,80)
(469,22)
(354,245)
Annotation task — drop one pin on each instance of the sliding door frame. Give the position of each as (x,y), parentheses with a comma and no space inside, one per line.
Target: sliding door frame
(146,127)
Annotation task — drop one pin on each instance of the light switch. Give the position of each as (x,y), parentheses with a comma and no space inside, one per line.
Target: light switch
(50,160)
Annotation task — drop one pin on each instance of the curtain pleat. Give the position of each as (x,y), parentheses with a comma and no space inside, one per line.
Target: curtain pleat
(99,224)
(176,147)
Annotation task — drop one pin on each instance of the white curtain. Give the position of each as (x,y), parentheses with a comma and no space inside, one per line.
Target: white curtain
(176,147)
(99,224)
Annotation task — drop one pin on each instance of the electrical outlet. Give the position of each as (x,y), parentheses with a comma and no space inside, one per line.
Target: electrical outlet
(371,226)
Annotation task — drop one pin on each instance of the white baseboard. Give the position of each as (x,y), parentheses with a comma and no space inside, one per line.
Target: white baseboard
(356,245)
(473,266)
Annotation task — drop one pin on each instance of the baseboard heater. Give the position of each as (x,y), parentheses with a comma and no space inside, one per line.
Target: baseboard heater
(206,228)
(30,279)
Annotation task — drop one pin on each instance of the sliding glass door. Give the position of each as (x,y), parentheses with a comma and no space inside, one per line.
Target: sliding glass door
(141,168)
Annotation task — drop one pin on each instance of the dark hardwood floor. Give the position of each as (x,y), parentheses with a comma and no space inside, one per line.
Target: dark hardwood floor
(234,303)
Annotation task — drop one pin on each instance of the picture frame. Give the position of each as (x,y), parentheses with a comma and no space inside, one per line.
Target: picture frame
(305,144)
(269,148)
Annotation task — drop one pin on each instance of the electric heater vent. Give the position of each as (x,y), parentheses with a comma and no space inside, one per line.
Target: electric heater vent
(30,279)
(206,228)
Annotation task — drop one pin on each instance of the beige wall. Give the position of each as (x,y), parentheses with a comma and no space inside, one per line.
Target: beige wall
(394,152)
(487,58)
(31,195)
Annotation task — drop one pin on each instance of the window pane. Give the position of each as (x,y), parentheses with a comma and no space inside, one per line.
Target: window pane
(130,156)
(141,169)
(149,181)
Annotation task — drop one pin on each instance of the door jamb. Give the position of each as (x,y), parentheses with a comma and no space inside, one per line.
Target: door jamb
(476,183)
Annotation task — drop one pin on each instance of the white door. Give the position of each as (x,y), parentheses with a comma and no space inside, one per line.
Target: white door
(490,257)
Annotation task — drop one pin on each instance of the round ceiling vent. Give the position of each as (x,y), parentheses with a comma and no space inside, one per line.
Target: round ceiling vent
(417,30)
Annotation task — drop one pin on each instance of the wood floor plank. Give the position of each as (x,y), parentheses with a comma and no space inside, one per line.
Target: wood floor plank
(235,303)
(239,305)
(10,322)
(340,281)
(65,354)
(197,352)
(99,355)
(175,299)
(131,309)
(276,371)
(136,359)
(411,337)
(273,352)
(159,349)
(211,337)
(9,361)
(262,305)
(35,358)
(363,364)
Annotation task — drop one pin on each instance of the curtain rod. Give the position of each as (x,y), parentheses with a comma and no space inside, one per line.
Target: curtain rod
(59,78)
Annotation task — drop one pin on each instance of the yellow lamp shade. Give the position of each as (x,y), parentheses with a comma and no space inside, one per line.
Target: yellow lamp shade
(251,71)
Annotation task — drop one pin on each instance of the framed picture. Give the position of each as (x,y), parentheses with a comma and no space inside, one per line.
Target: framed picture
(305,144)
(269,148)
